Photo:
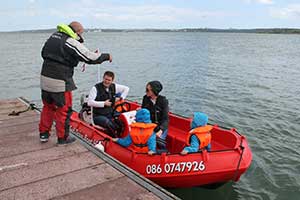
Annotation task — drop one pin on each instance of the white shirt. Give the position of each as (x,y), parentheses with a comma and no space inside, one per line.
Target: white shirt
(100,104)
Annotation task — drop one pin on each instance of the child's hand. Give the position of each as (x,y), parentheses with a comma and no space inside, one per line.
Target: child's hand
(158,134)
(183,152)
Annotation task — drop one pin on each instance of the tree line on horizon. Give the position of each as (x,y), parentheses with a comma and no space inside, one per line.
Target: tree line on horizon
(212,30)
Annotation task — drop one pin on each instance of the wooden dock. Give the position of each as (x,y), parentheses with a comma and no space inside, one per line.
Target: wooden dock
(33,170)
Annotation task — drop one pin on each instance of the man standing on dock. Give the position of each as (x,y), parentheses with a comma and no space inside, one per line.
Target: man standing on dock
(61,53)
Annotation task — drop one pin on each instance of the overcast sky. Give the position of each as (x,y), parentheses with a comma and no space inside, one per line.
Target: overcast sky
(44,14)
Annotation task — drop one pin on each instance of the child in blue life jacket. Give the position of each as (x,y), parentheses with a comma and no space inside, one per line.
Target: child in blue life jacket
(141,135)
(199,136)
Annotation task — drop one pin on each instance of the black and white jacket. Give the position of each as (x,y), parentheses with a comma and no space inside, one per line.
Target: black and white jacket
(61,54)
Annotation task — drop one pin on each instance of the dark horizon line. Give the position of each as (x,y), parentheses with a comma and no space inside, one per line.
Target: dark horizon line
(229,30)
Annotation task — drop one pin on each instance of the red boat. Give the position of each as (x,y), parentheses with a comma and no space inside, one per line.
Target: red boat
(229,158)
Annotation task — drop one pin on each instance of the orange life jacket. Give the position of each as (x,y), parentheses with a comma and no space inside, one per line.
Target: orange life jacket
(202,133)
(120,108)
(140,133)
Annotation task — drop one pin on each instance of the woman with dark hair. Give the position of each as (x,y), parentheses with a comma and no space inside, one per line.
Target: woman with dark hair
(158,106)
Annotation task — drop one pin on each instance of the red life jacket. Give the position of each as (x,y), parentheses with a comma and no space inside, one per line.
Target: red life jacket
(140,133)
(202,133)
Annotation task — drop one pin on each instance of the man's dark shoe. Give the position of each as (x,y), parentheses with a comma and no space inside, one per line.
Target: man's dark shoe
(44,137)
(68,140)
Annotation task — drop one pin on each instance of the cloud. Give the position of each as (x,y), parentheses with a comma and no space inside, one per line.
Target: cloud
(143,13)
(291,11)
(29,12)
(149,12)
(105,14)
(267,2)
(62,14)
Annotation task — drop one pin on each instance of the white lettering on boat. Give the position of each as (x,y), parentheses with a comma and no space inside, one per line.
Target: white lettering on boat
(175,167)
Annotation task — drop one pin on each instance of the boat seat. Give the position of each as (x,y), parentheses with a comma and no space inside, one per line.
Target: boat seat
(127,118)
(176,140)
(160,151)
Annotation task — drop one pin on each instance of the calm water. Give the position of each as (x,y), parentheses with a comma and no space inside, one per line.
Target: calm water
(247,81)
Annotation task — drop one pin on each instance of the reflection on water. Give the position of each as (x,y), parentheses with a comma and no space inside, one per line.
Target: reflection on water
(225,192)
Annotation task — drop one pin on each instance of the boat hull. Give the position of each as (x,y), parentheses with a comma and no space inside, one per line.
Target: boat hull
(229,159)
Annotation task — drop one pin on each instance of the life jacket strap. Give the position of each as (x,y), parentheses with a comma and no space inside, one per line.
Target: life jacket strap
(140,145)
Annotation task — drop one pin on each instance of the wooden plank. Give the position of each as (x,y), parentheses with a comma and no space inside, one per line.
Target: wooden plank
(63,184)
(115,189)
(30,116)
(5,109)
(35,172)
(21,128)
(6,117)
(41,156)
(10,102)
(11,145)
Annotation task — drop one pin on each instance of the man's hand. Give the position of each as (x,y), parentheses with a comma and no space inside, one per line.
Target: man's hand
(110,58)
(107,103)
(151,152)
(158,134)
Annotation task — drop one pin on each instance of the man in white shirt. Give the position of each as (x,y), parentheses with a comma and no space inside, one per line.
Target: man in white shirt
(102,98)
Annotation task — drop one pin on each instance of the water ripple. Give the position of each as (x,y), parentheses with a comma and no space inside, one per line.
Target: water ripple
(251,84)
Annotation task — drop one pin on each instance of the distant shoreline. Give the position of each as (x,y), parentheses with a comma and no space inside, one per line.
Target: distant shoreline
(205,30)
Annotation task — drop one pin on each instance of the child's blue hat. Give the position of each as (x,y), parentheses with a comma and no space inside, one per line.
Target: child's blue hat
(199,119)
(143,115)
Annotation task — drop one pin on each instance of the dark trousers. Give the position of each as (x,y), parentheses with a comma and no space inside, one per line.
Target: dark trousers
(107,123)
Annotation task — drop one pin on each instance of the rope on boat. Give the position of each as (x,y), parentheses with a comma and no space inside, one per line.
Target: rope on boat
(238,166)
